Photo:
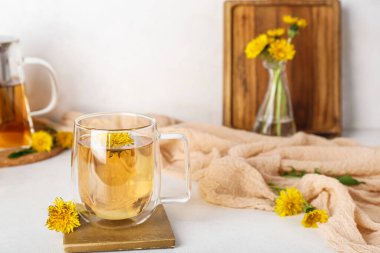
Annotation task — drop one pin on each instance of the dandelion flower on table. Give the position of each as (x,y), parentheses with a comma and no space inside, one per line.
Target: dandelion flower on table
(289,202)
(42,141)
(281,50)
(256,46)
(65,139)
(311,218)
(63,216)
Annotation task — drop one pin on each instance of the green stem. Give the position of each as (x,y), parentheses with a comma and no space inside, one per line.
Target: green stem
(270,102)
(284,102)
(278,108)
(307,207)
(272,96)
(279,91)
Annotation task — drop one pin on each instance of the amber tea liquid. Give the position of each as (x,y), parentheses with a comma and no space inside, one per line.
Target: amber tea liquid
(116,183)
(15,124)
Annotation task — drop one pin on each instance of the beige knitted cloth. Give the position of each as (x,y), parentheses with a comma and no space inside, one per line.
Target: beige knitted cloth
(234,167)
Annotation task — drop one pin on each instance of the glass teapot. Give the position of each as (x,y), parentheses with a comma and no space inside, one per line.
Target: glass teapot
(16,126)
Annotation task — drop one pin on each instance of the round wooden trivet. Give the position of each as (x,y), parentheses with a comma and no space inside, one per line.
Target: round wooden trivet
(30,158)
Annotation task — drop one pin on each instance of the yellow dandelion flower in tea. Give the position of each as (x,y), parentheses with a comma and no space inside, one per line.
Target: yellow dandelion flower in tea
(276,32)
(64,139)
(119,139)
(311,218)
(63,216)
(289,19)
(42,141)
(289,202)
(301,23)
(281,50)
(256,46)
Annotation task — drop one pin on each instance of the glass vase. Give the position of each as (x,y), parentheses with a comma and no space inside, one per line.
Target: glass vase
(275,116)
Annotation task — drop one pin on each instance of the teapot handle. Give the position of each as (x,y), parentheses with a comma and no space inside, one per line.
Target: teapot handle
(53,84)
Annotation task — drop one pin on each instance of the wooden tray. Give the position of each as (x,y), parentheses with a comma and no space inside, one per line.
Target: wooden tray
(314,74)
(156,232)
(31,158)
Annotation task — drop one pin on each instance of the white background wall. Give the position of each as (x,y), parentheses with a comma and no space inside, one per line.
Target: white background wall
(166,56)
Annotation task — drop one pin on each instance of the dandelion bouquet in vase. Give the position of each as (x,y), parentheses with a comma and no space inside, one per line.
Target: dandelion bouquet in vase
(275,48)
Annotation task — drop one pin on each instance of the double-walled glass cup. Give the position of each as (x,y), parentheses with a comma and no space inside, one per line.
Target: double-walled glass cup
(116,172)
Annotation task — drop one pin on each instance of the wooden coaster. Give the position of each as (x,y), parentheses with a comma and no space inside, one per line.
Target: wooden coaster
(154,233)
(30,158)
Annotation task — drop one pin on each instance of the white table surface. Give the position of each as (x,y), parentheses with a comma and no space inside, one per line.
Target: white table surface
(26,192)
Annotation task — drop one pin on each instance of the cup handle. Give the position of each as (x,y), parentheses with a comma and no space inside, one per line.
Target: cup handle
(53,84)
(177,136)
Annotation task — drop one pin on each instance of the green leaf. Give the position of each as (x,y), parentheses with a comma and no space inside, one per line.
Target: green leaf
(293,31)
(294,173)
(294,27)
(20,153)
(349,181)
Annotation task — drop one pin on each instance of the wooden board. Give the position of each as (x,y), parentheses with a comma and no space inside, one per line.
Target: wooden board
(314,74)
(31,158)
(156,232)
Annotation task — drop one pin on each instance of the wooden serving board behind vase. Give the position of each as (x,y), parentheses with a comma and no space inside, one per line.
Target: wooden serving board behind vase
(313,75)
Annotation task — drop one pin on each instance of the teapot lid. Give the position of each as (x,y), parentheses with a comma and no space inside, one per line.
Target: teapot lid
(5,40)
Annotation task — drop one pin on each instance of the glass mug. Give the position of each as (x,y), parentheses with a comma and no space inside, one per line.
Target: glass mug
(116,168)
(16,126)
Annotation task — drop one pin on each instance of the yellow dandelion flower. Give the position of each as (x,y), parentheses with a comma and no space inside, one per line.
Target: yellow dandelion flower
(119,139)
(281,50)
(289,19)
(301,23)
(42,141)
(63,216)
(276,32)
(311,218)
(289,202)
(64,139)
(256,46)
